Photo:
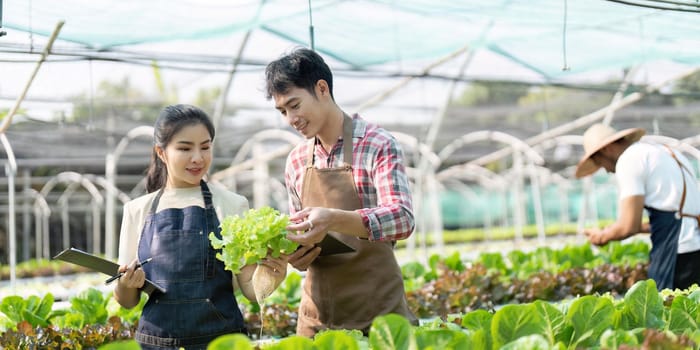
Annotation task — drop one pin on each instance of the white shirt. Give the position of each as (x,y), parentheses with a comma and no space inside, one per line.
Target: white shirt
(135,211)
(649,170)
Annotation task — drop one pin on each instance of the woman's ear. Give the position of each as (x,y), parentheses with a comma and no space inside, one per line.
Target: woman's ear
(160,152)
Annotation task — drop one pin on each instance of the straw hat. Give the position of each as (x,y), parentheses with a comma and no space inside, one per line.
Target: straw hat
(597,137)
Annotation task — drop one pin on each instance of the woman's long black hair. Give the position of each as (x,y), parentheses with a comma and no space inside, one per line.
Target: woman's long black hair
(170,121)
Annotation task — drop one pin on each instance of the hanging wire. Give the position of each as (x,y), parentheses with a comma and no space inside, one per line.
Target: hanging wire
(31,30)
(2,32)
(395,34)
(91,110)
(563,37)
(545,109)
(311,27)
(683,6)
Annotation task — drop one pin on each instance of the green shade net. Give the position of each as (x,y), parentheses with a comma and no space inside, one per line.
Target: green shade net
(541,35)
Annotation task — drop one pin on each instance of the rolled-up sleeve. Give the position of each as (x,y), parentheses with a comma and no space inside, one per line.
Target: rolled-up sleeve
(293,179)
(392,217)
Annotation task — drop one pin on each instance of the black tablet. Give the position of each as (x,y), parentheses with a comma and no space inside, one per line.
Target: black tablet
(96,263)
(331,246)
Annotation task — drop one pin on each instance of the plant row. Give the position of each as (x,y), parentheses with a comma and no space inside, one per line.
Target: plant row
(643,319)
(443,287)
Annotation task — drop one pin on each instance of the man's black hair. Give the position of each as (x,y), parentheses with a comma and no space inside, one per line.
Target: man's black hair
(302,68)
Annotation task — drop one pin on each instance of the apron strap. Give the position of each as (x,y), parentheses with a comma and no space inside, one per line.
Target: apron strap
(680,212)
(347,140)
(310,154)
(154,205)
(206,195)
(347,146)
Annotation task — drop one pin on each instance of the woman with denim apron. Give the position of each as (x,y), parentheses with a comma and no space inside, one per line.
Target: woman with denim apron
(196,302)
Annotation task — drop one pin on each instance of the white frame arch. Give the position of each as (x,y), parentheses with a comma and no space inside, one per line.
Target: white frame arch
(483,176)
(11,172)
(681,145)
(111,161)
(521,149)
(42,213)
(564,182)
(278,189)
(258,162)
(70,178)
(425,191)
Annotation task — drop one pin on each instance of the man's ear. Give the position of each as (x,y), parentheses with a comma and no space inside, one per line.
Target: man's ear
(322,88)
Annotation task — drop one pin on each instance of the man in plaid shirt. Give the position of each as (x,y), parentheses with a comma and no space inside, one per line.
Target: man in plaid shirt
(347,181)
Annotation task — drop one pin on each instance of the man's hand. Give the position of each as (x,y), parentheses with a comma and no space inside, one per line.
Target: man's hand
(304,256)
(596,236)
(309,226)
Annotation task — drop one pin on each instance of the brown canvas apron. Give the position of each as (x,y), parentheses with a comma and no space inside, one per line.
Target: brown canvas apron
(346,291)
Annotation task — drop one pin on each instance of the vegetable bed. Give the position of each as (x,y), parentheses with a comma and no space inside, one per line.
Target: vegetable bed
(574,298)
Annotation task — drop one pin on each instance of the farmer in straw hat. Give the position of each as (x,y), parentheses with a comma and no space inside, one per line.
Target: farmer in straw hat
(656,178)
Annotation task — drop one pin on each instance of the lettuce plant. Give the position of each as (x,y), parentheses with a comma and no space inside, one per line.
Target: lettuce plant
(247,239)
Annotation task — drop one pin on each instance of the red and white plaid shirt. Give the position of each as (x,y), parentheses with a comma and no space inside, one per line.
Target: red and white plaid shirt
(379,174)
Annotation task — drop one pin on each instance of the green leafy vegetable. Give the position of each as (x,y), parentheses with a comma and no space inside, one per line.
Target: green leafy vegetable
(392,331)
(37,311)
(246,239)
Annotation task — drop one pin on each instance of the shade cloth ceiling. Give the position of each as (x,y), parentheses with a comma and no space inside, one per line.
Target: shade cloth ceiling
(552,38)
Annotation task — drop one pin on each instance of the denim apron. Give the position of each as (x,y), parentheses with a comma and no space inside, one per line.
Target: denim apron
(347,291)
(199,304)
(665,229)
